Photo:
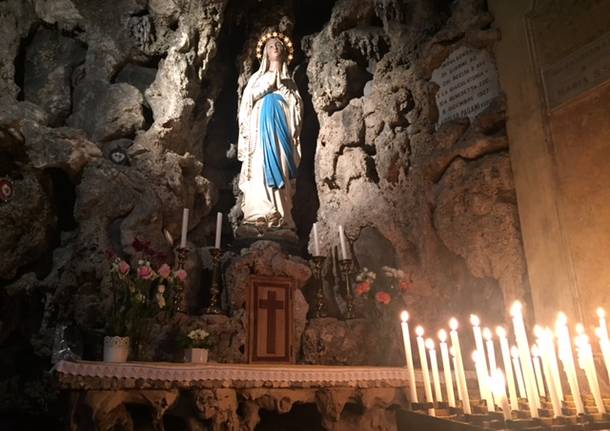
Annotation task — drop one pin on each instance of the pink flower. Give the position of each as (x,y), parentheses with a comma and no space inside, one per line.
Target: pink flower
(181,275)
(383,297)
(164,270)
(362,288)
(145,272)
(123,267)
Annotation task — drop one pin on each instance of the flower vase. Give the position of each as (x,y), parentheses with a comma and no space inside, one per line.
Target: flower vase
(196,356)
(116,349)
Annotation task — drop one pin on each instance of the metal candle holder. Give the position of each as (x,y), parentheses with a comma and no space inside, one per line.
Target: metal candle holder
(181,254)
(317,262)
(216,288)
(345,266)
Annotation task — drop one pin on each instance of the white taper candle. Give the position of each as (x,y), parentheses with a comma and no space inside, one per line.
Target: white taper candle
(455,344)
(406,339)
(442,336)
(185,226)
(218,230)
(508,367)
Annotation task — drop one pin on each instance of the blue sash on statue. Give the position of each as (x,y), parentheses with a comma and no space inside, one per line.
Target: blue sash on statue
(274,132)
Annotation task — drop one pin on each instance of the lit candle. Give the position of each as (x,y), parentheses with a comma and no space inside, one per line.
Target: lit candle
(483,378)
(478,341)
(519,376)
(491,353)
(342,242)
(552,357)
(316,243)
(538,370)
(526,361)
(605,348)
(442,336)
(564,347)
(586,355)
(438,394)
(455,343)
(457,374)
(498,388)
(218,230)
(602,334)
(185,225)
(546,339)
(406,339)
(510,378)
(419,332)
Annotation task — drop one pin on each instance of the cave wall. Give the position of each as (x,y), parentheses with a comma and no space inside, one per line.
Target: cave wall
(443,196)
(158,82)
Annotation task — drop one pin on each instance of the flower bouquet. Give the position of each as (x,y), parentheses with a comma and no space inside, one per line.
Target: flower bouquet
(138,294)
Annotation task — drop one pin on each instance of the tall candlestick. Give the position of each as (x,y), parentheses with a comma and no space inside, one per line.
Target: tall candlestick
(498,389)
(419,332)
(478,341)
(552,357)
(491,353)
(545,354)
(457,374)
(438,394)
(218,230)
(604,346)
(342,242)
(316,243)
(455,343)
(406,339)
(538,370)
(508,368)
(483,378)
(442,336)
(526,360)
(185,226)
(564,347)
(518,374)
(586,356)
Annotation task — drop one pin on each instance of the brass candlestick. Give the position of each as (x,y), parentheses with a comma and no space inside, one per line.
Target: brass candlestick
(216,288)
(181,254)
(346,266)
(317,262)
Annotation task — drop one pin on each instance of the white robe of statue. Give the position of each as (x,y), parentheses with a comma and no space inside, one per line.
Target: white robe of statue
(264,205)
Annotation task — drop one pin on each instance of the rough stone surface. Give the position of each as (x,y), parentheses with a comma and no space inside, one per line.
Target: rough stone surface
(160,80)
(335,342)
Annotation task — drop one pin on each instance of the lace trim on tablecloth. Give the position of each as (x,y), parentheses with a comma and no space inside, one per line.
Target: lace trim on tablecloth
(233,372)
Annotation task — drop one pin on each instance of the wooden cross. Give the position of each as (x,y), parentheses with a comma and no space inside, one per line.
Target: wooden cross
(271,304)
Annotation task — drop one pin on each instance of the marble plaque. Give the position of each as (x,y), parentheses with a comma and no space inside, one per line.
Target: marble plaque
(467,81)
(583,69)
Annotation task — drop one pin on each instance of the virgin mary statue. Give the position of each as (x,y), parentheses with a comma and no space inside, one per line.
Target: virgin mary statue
(270,118)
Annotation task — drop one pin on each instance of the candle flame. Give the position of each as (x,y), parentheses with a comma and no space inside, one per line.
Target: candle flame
(598,332)
(419,331)
(404,316)
(451,351)
(442,335)
(453,323)
(430,343)
(538,331)
(500,331)
(514,352)
(562,319)
(475,355)
(580,329)
(515,309)
(601,312)
(487,334)
(474,320)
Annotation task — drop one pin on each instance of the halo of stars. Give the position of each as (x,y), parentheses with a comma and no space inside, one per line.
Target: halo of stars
(274,35)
